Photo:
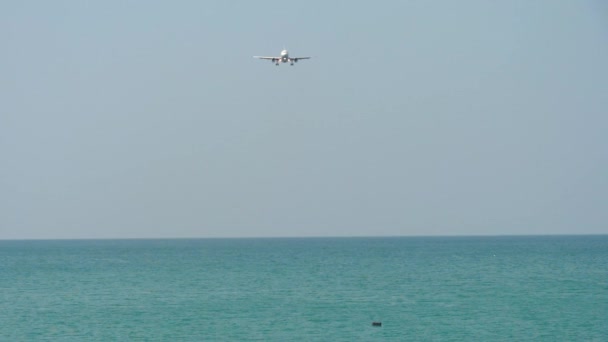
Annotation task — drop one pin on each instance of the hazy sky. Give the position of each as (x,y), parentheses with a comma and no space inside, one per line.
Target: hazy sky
(152,119)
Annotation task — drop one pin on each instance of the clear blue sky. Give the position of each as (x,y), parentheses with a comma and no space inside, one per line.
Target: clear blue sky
(152,119)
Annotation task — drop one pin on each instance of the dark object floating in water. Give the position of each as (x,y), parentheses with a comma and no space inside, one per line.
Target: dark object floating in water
(376,324)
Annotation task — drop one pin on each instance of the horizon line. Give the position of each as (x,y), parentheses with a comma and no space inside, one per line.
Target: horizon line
(303,237)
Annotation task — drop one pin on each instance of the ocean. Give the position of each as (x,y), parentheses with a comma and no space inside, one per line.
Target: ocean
(532,288)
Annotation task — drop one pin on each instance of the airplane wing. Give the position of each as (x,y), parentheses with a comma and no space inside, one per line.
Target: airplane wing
(296,59)
(264,57)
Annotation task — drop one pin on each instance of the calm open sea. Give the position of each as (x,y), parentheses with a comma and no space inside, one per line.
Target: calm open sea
(552,288)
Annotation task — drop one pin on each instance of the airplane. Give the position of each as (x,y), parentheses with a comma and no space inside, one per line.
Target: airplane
(284,58)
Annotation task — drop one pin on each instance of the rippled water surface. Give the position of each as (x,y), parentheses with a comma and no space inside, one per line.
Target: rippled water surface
(326,289)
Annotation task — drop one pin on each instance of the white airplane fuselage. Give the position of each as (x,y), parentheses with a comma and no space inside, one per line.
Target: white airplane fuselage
(285,56)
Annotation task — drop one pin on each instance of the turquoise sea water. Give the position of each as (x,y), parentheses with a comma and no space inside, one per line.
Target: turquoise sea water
(326,289)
